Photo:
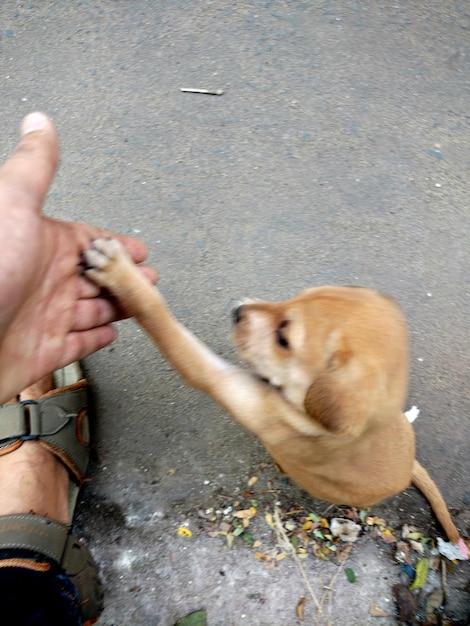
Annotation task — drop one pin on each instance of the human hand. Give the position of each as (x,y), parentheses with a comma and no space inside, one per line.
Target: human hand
(50,315)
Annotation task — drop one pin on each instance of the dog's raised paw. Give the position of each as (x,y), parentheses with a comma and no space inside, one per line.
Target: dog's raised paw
(102,251)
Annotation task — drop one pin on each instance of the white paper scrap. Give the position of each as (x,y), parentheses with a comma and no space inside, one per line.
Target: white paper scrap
(412,414)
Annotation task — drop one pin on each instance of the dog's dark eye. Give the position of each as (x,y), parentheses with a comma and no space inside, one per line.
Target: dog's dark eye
(281,335)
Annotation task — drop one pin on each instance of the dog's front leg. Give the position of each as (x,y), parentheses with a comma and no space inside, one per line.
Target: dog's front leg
(259,407)
(109,265)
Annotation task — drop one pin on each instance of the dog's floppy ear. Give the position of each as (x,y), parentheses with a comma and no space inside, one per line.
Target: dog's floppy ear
(340,396)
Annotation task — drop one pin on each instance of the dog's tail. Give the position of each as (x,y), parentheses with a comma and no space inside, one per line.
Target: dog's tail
(428,487)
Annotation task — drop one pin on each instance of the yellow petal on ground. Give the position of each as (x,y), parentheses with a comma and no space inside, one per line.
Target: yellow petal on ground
(269,520)
(185,532)
(253,480)
(375,521)
(301,553)
(299,609)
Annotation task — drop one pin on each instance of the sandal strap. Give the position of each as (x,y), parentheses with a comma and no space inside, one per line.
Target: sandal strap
(55,541)
(59,420)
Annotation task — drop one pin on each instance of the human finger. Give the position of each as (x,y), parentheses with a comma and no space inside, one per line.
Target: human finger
(26,177)
(94,312)
(135,247)
(81,344)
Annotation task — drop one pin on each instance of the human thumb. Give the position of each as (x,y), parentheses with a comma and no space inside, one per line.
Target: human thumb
(29,172)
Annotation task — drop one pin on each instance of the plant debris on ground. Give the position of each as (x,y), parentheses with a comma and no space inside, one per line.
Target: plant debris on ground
(330,535)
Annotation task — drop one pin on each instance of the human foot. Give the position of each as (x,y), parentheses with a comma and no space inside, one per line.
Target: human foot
(34,473)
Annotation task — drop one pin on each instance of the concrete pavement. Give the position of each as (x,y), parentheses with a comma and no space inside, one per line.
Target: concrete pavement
(337,154)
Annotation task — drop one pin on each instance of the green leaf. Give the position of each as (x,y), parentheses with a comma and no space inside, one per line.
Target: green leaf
(363,513)
(249,539)
(238,531)
(198,618)
(314,517)
(350,575)
(422,567)
(254,502)
(294,541)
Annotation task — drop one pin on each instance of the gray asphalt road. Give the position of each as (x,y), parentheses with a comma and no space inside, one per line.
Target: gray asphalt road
(337,154)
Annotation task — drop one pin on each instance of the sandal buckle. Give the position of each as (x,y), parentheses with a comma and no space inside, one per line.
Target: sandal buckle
(13,423)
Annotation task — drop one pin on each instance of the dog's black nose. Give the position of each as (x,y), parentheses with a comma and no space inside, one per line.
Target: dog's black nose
(237,314)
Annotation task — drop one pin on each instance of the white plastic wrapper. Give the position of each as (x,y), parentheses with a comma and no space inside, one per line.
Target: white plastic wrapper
(452,551)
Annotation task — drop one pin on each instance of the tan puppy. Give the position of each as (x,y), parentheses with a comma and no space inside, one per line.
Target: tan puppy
(330,382)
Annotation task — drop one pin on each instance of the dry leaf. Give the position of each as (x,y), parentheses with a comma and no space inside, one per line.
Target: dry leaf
(402,554)
(417,546)
(388,537)
(253,480)
(246,513)
(299,609)
(318,551)
(376,611)
(406,604)
(434,601)
(407,530)
(343,552)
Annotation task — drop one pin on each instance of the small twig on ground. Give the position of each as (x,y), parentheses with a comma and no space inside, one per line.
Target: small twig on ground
(289,548)
(328,592)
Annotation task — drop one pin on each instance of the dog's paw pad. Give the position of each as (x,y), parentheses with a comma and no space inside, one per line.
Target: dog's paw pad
(102,251)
